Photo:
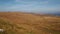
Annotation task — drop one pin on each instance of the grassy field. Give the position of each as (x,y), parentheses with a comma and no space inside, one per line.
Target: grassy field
(24,23)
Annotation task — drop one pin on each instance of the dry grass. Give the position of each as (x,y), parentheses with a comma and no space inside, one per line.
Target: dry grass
(23,23)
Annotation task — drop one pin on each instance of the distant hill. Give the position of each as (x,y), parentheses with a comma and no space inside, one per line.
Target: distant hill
(56,13)
(29,23)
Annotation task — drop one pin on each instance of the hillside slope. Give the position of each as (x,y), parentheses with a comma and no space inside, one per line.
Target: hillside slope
(23,23)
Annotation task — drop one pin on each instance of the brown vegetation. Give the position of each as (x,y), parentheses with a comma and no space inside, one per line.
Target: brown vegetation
(24,23)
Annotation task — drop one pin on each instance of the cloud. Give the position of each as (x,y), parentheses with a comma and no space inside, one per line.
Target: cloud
(25,5)
(44,2)
(31,7)
(16,0)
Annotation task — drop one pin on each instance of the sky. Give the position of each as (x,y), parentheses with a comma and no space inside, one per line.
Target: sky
(30,5)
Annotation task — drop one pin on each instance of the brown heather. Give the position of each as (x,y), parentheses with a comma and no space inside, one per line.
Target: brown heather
(24,23)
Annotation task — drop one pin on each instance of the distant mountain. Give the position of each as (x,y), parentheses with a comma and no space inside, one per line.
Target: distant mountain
(56,13)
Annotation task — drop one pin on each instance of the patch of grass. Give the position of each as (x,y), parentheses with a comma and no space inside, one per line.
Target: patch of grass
(51,31)
(31,32)
(6,26)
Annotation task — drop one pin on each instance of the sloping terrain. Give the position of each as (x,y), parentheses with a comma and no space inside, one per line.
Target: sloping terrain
(24,23)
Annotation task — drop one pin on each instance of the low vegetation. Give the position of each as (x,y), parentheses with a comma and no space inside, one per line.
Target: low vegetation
(24,23)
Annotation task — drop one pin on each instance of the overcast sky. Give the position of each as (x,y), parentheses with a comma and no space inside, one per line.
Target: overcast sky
(30,5)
